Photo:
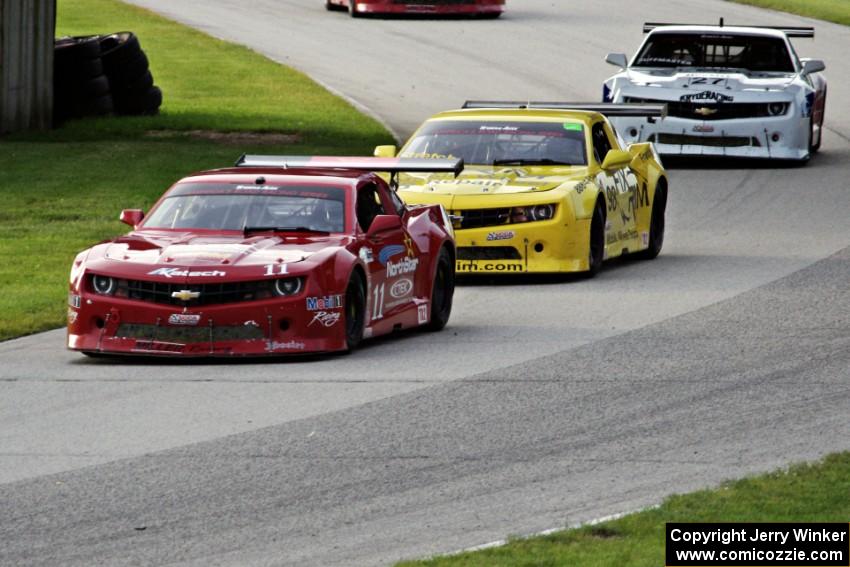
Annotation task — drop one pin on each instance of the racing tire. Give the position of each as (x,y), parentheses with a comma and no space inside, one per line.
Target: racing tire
(144,103)
(100,106)
(814,147)
(78,48)
(330,7)
(656,225)
(442,292)
(139,85)
(352,9)
(93,88)
(596,248)
(119,48)
(74,71)
(130,71)
(355,311)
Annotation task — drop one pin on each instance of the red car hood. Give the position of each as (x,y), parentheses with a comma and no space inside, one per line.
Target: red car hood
(191,249)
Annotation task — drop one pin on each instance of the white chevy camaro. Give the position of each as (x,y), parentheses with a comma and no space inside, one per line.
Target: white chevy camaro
(730,91)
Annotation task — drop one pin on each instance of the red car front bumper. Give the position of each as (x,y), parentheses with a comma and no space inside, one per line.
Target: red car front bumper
(276,326)
(437,7)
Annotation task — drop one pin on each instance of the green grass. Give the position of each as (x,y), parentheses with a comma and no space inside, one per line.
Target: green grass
(803,493)
(837,11)
(62,190)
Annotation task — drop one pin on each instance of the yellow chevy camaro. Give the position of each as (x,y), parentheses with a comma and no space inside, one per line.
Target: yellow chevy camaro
(548,187)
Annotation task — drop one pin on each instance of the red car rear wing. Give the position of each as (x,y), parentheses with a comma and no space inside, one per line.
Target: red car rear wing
(790,31)
(389,165)
(607,109)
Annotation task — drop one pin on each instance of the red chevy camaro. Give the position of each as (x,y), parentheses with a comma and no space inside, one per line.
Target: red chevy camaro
(484,8)
(278,255)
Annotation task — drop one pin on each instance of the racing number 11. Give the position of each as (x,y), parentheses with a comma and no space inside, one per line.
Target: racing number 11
(275,269)
(378,302)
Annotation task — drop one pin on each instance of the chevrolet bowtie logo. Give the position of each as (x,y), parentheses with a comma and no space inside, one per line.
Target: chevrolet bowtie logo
(705,111)
(185,294)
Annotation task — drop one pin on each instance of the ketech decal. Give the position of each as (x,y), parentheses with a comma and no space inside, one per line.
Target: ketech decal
(180,273)
(324,303)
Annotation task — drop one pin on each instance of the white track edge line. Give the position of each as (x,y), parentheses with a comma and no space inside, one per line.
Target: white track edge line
(502,542)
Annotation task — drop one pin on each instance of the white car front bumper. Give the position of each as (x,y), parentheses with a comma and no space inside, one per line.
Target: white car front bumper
(775,137)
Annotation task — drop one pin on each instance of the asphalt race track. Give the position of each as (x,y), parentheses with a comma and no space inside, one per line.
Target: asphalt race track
(544,403)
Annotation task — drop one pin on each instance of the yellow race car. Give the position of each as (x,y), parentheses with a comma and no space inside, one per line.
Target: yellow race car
(547,187)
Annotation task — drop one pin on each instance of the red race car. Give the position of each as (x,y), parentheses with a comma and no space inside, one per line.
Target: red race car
(483,8)
(278,255)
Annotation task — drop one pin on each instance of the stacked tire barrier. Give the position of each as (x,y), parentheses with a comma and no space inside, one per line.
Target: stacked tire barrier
(79,86)
(102,74)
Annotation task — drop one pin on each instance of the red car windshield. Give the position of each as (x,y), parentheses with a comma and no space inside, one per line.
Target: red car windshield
(500,143)
(720,51)
(239,207)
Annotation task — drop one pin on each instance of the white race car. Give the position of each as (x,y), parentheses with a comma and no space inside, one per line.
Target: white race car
(731,91)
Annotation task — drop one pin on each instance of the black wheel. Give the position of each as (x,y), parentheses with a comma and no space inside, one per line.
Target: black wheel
(814,147)
(355,308)
(352,9)
(442,292)
(132,103)
(118,48)
(330,7)
(100,106)
(70,49)
(128,72)
(656,225)
(596,250)
(134,87)
(93,88)
(75,71)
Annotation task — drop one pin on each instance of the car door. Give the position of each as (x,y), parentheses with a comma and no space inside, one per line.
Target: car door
(395,258)
(620,186)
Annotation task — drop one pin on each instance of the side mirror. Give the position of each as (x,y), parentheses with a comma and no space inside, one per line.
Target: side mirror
(813,66)
(133,217)
(385,151)
(615,159)
(617,59)
(383,223)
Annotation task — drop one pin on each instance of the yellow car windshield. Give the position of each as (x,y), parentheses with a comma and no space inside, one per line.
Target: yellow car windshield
(500,142)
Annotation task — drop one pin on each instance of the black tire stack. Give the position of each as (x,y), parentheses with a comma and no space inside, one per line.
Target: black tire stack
(130,79)
(98,75)
(80,87)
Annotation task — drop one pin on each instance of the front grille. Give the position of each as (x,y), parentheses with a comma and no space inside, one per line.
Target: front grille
(488,253)
(709,141)
(188,335)
(211,293)
(715,111)
(477,218)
